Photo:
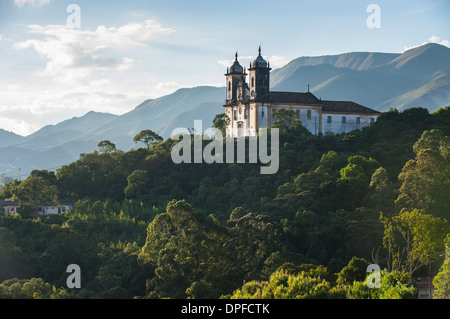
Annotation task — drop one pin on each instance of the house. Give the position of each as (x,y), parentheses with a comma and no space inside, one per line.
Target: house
(423,285)
(251,106)
(44,208)
(9,207)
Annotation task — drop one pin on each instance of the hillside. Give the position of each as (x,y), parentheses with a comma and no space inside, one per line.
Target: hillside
(145,227)
(9,138)
(372,79)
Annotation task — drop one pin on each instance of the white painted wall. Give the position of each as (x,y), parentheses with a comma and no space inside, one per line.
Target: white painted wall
(336,126)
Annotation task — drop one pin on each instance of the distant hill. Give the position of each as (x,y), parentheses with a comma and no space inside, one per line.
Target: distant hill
(162,115)
(376,80)
(9,138)
(417,77)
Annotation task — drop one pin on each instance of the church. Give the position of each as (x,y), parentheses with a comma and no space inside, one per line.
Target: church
(251,106)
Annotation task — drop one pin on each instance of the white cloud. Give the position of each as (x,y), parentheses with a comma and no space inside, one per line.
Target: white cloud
(432,39)
(74,54)
(21,3)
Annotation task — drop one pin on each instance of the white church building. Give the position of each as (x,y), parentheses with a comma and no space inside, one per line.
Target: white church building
(250,106)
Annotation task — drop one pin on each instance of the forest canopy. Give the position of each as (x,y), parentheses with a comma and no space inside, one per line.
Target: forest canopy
(144,227)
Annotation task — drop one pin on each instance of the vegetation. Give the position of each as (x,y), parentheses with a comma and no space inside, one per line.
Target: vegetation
(144,227)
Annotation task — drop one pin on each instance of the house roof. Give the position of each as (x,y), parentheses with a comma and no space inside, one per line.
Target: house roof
(9,203)
(293,97)
(346,107)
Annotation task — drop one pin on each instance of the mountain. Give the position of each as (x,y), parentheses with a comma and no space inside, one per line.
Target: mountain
(56,145)
(417,77)
(162,115)
(376,80)
(9,138)
(66,131)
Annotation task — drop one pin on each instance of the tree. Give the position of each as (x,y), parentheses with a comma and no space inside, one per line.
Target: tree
(106,147)
(380,192)
(136,183)
(184,247)
(354,271)
(148,137)
(413,239)
(33,191)
(426,178)
(221,121)
(442,280)
(285,119)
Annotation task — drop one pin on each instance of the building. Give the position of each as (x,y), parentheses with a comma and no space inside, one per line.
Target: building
(251,106)
(44,209)
(425,287)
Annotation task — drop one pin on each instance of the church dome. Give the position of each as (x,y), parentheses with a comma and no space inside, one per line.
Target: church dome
(236,68)
(259,62)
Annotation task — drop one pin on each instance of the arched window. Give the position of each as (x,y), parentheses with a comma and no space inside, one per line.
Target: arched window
(253,82)
(229,86)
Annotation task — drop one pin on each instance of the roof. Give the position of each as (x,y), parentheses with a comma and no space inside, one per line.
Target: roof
(9,203)
(346,107)
(293,97)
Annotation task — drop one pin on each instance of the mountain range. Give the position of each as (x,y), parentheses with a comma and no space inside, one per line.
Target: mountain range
(417,77)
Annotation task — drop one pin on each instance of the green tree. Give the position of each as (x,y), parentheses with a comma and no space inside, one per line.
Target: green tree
(426,178)
(442,280)
(283,285)
(380,192)
(354,271)
(106,147)
(184,247)
(413,239)
(148,137)
(285,119)
(136,183)
(221,121)
(33,191)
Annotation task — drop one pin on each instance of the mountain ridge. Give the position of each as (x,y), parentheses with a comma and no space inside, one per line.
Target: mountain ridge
(417,77)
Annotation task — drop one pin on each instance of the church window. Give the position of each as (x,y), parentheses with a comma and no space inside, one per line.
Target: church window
(229,86)
(253,82)
(329,119)
(245,113)
(235,115)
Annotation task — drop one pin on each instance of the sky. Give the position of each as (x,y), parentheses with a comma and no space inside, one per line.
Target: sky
(60,59)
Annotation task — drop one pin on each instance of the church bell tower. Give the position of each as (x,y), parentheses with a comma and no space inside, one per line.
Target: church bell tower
(235,82)
(259,78)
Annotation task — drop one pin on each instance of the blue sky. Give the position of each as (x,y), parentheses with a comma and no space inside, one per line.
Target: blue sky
(127,51)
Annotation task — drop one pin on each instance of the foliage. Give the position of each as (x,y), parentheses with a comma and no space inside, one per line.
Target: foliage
(148,137)
(145,227)
(442,280)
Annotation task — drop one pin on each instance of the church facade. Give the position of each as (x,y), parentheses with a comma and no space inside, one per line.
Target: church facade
(251,106)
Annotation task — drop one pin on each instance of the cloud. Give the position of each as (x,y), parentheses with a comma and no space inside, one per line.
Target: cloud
(21,3)
(74,54)
(432,39)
